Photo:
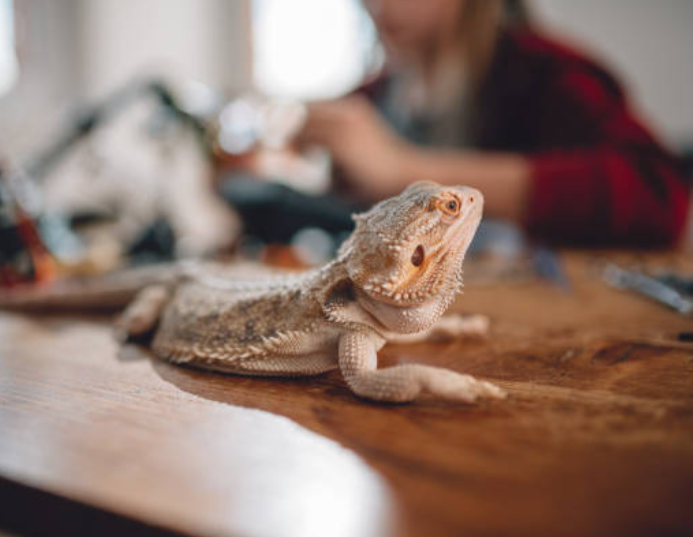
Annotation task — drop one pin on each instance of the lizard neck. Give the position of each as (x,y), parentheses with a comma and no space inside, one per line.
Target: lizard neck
(407,319)
(344,302)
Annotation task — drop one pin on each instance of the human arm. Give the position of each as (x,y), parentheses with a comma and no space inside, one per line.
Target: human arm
(378,163)
(578,167)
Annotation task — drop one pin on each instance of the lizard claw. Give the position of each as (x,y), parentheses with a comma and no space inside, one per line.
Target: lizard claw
(481,389)
(491,390)
(454,386)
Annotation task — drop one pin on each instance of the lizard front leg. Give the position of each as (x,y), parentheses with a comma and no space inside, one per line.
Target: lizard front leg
(358,362)
(143,312)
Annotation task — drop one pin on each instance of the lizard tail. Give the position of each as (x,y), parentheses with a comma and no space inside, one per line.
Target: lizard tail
(108,292)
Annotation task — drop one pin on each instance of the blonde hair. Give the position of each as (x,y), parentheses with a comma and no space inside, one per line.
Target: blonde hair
(479,23)
(477,32)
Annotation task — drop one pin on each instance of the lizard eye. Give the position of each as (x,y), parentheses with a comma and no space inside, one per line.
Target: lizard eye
(451,207)
(418,256)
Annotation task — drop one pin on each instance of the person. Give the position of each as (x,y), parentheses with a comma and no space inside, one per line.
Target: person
(472,95)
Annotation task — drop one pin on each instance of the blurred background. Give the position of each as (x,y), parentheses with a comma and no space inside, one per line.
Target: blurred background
(241,70)
(57,54)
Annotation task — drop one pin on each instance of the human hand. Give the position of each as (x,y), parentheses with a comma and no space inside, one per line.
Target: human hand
(371,155)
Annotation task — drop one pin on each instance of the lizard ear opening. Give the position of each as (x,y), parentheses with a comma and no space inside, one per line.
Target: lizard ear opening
(340,294)
(417,258)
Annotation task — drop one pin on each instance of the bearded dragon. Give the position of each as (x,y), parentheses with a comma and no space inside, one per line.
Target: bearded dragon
(391,280)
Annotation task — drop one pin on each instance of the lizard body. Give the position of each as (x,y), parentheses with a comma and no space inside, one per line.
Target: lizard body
(393,278)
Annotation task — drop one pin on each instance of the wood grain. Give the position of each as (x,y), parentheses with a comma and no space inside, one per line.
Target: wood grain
(596,438)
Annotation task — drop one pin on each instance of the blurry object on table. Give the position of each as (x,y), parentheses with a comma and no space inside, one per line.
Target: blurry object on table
(277,189)
(254,135)
(669,289)
(501,254)
(24,257)
(274,213)
(134,176)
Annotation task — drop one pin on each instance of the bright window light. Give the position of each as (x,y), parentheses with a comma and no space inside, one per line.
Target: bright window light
(9,69)
(311,49)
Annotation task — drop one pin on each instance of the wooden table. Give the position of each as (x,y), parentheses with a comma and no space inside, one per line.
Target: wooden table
(596,438)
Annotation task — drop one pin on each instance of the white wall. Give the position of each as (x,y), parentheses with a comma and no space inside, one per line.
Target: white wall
(76,51)
(647,43)
(204,40)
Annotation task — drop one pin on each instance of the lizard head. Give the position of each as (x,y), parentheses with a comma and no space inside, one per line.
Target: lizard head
(408,249)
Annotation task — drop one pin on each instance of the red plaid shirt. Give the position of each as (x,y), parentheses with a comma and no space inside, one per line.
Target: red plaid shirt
(599,177)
